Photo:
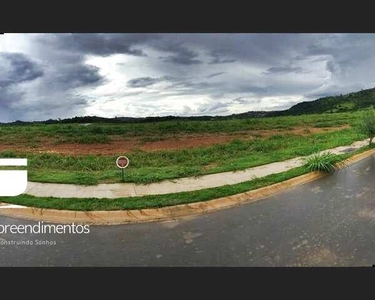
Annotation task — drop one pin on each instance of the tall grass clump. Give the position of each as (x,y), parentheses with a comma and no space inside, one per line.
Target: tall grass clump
(323,162)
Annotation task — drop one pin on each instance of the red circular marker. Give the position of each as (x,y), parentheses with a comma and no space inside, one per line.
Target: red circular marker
(122,162)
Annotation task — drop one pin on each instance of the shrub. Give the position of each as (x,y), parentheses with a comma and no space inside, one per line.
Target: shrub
(323,162)
(367,125)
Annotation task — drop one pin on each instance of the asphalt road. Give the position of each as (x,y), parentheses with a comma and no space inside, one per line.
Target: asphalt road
(329,222)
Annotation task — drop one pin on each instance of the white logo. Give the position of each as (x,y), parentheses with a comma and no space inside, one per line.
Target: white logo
(13,182)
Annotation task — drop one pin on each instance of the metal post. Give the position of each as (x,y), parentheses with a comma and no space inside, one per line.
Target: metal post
(122,171)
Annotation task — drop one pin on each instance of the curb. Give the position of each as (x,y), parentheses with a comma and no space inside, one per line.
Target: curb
(116,217)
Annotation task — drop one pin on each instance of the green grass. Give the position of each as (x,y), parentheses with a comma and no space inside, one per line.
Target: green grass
(147,167)
(13,134)
(155,201)
(322,162)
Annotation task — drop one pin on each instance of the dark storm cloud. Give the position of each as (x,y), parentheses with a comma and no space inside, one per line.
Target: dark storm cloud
(142,82)
(16,68)
(218,57)
(52,78)
(284,70)
(100,44)
(191,84)
(271,49)
(9,97)
(53,105)
(7,100)
(79,76)
(146,81)
(215,74)
(253,89)
(180,54)
(213,108)
(175,85)
(239,100)
(65,72)
(333,67)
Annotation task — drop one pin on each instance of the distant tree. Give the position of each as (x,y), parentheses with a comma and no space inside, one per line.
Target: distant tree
(367,125)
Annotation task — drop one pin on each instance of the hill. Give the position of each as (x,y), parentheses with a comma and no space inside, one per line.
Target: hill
(332,104)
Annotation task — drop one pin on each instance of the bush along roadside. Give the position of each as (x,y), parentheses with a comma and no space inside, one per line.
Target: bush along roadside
(324,162)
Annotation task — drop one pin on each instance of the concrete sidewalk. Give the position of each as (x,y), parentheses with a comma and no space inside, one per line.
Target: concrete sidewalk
(120,190)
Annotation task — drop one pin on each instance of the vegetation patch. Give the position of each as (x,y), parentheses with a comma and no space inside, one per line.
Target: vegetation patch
(367,125)
(156,201)
(153,166)
(323,162)
(152,201)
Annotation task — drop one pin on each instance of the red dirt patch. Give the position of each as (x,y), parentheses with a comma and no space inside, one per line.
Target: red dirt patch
(118,146)
(190,142)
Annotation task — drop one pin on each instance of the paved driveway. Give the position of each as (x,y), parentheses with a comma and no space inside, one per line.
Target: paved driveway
(329,222)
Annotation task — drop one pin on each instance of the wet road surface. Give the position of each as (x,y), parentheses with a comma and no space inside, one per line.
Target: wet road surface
(329,222)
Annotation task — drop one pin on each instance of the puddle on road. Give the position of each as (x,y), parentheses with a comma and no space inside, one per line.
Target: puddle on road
(367,214)
(190,236)
(170,224)
(320,257)
(316,190)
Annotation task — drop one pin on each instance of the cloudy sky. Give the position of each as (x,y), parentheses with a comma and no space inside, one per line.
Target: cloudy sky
(45,76)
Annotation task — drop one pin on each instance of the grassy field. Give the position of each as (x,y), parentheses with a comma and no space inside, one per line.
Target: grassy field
(102,133)
(280,143)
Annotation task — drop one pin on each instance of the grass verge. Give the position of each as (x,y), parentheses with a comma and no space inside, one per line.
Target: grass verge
(156,201)
(152,201)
